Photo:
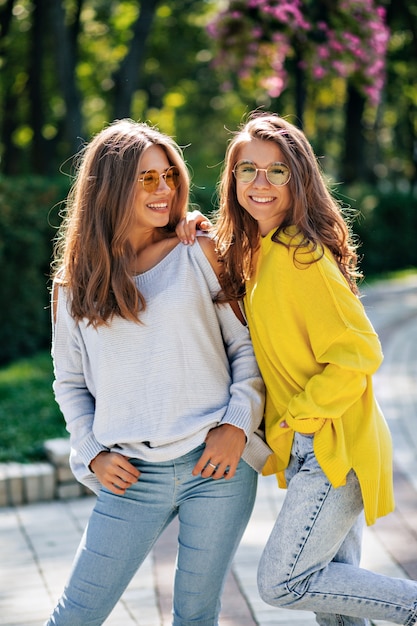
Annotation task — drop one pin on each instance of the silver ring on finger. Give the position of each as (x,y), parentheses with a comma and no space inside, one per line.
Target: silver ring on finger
(213,466)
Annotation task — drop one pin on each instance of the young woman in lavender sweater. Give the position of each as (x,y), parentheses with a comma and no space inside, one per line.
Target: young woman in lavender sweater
(137,332)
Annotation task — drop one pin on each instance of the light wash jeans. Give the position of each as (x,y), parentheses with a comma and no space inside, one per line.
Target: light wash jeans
(121,531)
(311,559)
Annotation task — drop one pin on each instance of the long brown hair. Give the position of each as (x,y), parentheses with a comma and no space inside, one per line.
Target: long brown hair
(92,255)
(315,212)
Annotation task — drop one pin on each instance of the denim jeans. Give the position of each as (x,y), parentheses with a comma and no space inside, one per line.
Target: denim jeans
(311,559)
(121,531)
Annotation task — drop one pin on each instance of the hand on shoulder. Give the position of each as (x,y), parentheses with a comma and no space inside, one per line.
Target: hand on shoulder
(187,228)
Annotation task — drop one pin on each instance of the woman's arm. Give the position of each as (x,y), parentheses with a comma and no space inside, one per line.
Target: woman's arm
(91,463)
(225,444)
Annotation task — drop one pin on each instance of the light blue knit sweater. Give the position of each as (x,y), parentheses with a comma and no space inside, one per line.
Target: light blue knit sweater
(153,390)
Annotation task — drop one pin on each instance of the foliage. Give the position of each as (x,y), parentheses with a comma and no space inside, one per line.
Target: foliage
(347,38)
(174,87)
(28,210)
(386,227)
(28,412)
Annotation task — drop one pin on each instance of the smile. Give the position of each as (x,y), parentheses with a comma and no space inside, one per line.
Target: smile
(262,200)
(160,206)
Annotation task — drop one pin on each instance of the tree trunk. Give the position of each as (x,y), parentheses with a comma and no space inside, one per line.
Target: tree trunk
(126,80)
(300,94)
(39,160)
(65,54)
(7,121)
(353,167)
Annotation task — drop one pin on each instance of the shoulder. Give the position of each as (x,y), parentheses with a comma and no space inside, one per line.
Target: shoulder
(154,253)
(292,247)
(208,246)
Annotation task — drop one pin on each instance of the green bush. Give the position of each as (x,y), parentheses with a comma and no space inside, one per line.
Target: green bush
(387,229)
(28,412)
(28,220)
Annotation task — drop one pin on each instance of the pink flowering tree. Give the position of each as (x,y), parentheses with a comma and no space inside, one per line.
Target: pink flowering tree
(314,40)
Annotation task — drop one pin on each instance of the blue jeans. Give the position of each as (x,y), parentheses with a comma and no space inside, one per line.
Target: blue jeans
(213,515)
(311,559)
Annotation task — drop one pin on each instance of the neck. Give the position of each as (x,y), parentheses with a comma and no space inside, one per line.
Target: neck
(140,241)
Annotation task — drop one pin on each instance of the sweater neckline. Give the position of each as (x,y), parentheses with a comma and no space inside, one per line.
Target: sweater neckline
(149,274)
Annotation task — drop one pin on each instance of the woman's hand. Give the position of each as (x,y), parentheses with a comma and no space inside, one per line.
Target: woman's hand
(187,227)
(224,447)
(114,471)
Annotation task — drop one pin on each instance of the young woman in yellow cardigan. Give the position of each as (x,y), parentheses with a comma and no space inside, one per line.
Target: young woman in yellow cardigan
(289,253)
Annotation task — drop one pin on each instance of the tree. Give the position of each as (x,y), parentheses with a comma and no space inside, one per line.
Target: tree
(65,38)
(309,43)
(127,77)
(319,39)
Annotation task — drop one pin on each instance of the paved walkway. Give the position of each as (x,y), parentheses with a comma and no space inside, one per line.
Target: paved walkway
(38,541)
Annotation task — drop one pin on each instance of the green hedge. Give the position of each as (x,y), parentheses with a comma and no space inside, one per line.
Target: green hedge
(28,219)
(387,229)
(28,412)
(385,224)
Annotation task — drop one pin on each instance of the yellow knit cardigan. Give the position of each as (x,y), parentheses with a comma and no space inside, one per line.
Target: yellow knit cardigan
(317,352)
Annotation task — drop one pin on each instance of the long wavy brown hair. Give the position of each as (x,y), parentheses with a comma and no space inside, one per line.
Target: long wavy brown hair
(314,210)
(92,253)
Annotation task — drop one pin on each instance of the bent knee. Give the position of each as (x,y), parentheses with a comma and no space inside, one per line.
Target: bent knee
(280,590)
(273,592)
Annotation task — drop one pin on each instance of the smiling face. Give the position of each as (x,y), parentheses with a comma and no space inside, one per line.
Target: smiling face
(268,204)
(153,207)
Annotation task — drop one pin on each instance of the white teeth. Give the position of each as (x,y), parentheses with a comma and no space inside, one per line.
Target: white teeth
(263,200)
(158,206)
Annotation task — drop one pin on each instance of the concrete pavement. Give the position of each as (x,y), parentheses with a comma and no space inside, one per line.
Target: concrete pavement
(38,541)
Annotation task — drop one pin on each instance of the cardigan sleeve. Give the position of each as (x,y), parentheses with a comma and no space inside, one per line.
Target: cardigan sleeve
(348,362)
(72,392)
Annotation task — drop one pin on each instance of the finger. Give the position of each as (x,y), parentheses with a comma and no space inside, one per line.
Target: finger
(120,464)
(180,231)
(213,470)
(121,481)
(203,225)
(225,470)
(117,477)
(185,231)
(128,472)
(114,488)
(126,477)
(200,465)
(230,471)
(191,228)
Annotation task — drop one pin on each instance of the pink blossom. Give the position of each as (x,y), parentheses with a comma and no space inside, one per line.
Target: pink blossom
(335,45)
(323,52)
(274,29)
(341,68)
(274,85)
(319,72)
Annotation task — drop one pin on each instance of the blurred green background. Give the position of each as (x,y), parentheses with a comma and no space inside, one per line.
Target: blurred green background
(344,70)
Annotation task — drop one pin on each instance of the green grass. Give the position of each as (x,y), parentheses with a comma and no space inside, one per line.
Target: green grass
(28,412)
(397,275)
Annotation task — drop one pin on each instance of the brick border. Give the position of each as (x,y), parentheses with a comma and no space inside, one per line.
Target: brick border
(26,483)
